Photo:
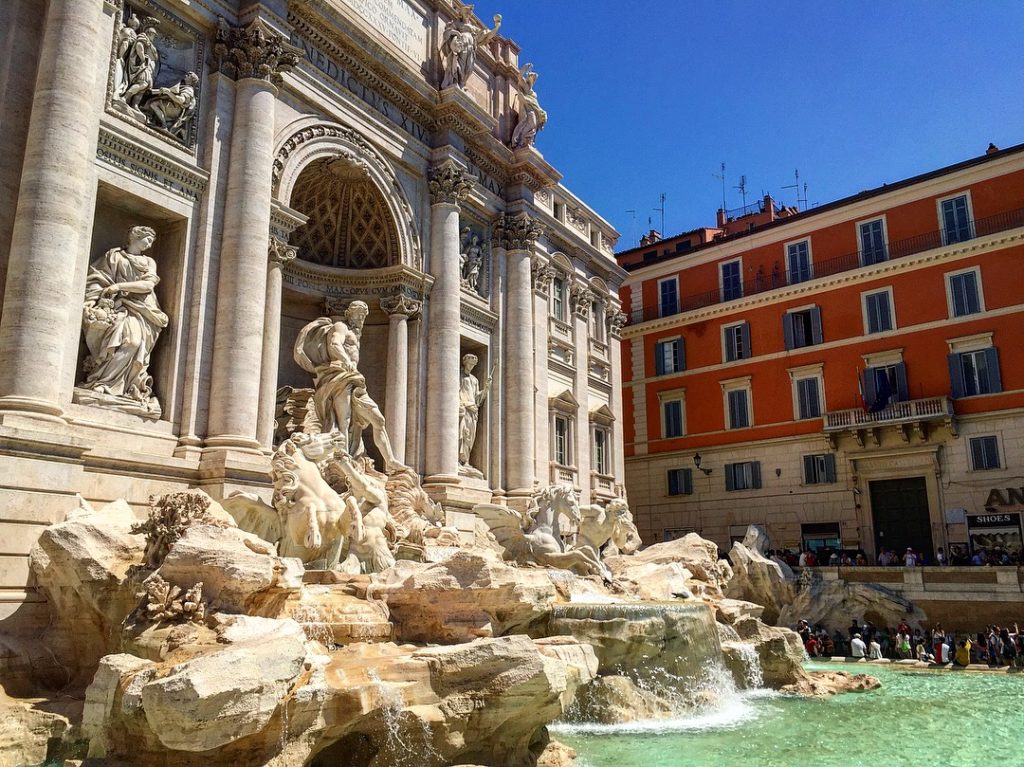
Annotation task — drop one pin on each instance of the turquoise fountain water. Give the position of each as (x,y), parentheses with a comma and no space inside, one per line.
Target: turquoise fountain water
(955,719)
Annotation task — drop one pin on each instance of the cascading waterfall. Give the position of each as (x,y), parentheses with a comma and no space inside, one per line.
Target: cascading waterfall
(753,674)
(400,751)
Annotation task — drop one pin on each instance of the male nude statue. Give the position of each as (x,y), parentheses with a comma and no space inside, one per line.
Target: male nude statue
(329,349)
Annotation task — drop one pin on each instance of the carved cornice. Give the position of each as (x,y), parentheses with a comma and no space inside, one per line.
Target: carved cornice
(127,155)
(478,317)
(253,51)
(366,284)
(581,298)
(400,304)
(516,232)
(280,253)
(449,184)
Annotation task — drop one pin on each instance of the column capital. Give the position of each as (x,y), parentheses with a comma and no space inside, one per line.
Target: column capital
(582,298)
(543,273)
(518,231)
(616,321)
(280,253)
(400,305)
(253,51)
(449,183)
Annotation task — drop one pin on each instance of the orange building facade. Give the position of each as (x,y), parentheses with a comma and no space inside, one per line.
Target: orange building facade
(850,377)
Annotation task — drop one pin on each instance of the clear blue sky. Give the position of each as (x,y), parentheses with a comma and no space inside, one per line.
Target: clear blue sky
(649,96)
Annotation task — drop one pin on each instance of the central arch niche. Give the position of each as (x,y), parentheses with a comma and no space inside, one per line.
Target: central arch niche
(349,226)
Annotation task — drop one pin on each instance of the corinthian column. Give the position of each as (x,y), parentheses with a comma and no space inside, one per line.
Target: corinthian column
(449,185)
(279,254)
(519,234)
(255,56)
(44,291)
(399,309)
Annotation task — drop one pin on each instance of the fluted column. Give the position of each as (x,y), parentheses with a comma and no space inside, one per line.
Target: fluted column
(43,297)
(399,309)
(279,254)
(255,55)
(519,233)
(449,184)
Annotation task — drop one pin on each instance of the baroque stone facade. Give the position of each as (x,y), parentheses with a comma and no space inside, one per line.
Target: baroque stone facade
(284,173)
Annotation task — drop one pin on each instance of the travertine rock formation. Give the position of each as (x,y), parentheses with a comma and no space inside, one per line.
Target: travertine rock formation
(832,603)
(760,580)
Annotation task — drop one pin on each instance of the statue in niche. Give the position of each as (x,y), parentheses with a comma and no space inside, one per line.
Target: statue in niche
(531,117)
(121,321)
(329,349)
(141,65)
(471,396)
(171,108)
(461,39)
(471,258)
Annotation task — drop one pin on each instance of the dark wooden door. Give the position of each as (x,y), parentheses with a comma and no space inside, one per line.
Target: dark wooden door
(900,511)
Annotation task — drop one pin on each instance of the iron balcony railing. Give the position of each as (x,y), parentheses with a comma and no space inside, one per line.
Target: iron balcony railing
(930,409)
(779,277)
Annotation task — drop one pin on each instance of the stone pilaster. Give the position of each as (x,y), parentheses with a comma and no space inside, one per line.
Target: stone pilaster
(581,299)
(616,320)
(50,237)
(256,56)
(399,308)
(279,255)
(542,273)
(518,234)
(449,185)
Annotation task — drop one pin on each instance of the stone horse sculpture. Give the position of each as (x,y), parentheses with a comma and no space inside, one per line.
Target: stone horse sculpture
(535,538)
(608,530)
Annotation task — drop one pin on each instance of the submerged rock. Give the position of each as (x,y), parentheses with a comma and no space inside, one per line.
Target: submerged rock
(824,684)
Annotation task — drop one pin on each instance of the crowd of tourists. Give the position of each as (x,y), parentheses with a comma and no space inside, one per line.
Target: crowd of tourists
(995,646)
(958,556)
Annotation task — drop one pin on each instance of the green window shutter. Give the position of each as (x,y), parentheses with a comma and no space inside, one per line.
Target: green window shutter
(755,471)
(957,387)
(830,467)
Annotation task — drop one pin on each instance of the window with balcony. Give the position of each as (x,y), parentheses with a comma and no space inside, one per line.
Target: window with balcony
(798,261)
(878,314)
(562,442)
(819,469)
(807,393)
(955,219)
(668,296)
(672,418)
(736,341)
(680,482)
(669,356)
(558,299)
(872,242)
(974,372)
(984,453)
(600,441)
(731,278)
(963,291)
(802,327)
(889,380)
(743,476)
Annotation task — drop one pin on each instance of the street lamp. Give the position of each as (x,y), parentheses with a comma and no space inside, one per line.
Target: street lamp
(696,462)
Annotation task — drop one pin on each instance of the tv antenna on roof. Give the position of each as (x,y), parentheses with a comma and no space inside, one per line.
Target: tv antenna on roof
(742,186)
(662,209)
(722,179)
(632,225)
(796,186)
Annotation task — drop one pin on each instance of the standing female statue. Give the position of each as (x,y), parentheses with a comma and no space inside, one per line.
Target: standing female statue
(121,321)
(471,396)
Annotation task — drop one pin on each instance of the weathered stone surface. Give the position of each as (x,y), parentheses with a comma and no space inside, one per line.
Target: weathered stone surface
(833,603)
(332,616)
(759,580)
(780,651)
(613,699)
(729,611)
(824,684)
(83,567)
(697,555)
(26,730)
(465,597)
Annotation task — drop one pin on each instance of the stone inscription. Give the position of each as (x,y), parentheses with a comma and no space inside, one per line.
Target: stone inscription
(347,80)
(398,22)
(486,181)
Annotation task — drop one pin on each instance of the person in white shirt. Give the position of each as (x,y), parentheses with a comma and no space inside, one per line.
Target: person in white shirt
(857,647)
(875,650)
(910,558)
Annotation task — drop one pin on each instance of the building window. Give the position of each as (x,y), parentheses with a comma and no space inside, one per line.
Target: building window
(808,397)
(798,261)
(601,451)
(955,219)
(732,281)
(668,297)
(884,384)
(878,311)
(802,327)
(669,356)
(743,476)
(819,469)
(736,339)
(872,242)
(984,453)
(964,292)
(819,536)
(558,299)
(680,482)
(975,372)
(672,417)
(738,403)
(563,441)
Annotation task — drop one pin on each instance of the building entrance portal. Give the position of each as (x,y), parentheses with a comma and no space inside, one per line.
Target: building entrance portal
(899,508)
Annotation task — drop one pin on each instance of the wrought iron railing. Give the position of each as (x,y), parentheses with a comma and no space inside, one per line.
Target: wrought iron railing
(930,409)
(779,278)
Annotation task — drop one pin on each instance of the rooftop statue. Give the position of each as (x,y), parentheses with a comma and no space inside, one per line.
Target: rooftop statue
(531,117)
(459,44)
